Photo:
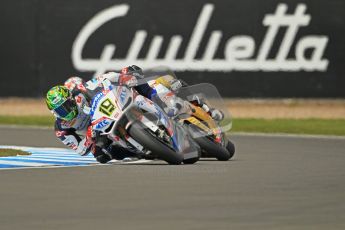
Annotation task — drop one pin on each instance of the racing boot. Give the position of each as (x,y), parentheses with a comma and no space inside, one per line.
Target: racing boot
(120,153)
(101,156)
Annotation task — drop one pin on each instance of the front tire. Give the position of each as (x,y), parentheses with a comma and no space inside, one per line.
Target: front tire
(231,148)
(213,149)
(145,138)
(210,147)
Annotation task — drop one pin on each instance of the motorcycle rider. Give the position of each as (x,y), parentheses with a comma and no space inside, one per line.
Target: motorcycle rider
(175,103)
(70,104)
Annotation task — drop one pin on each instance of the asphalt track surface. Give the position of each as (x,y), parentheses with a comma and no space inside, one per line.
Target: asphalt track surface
(272,183)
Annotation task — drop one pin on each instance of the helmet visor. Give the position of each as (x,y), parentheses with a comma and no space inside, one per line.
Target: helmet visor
(67,111)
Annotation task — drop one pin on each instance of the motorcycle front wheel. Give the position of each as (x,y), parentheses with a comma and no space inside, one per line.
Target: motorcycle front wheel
(140,133)
(212,148)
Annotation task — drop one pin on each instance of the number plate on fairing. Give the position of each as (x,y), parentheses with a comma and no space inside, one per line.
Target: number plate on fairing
(105,111)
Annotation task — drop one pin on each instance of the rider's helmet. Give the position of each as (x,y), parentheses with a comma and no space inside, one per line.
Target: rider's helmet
(75,82)
(61,103)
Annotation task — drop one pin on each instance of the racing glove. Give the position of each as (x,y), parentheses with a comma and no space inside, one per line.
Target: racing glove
(214,113)
(130,75)
(128,80)
(133,70)
(175,85)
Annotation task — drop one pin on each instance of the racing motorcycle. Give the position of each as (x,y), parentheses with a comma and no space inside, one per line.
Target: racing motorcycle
(134,122)
(208,133)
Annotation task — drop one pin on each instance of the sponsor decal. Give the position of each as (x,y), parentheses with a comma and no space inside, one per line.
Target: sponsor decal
(93,123)
(102,124)
(95,102)
(239,50)
(123,95)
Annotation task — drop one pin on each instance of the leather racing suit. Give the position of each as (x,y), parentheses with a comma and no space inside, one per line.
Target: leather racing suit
(77,133)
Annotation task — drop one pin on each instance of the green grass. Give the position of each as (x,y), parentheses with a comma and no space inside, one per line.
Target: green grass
(27,120)
(292,126)
(12,152)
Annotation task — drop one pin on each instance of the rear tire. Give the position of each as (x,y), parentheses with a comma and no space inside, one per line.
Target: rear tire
(145,138)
